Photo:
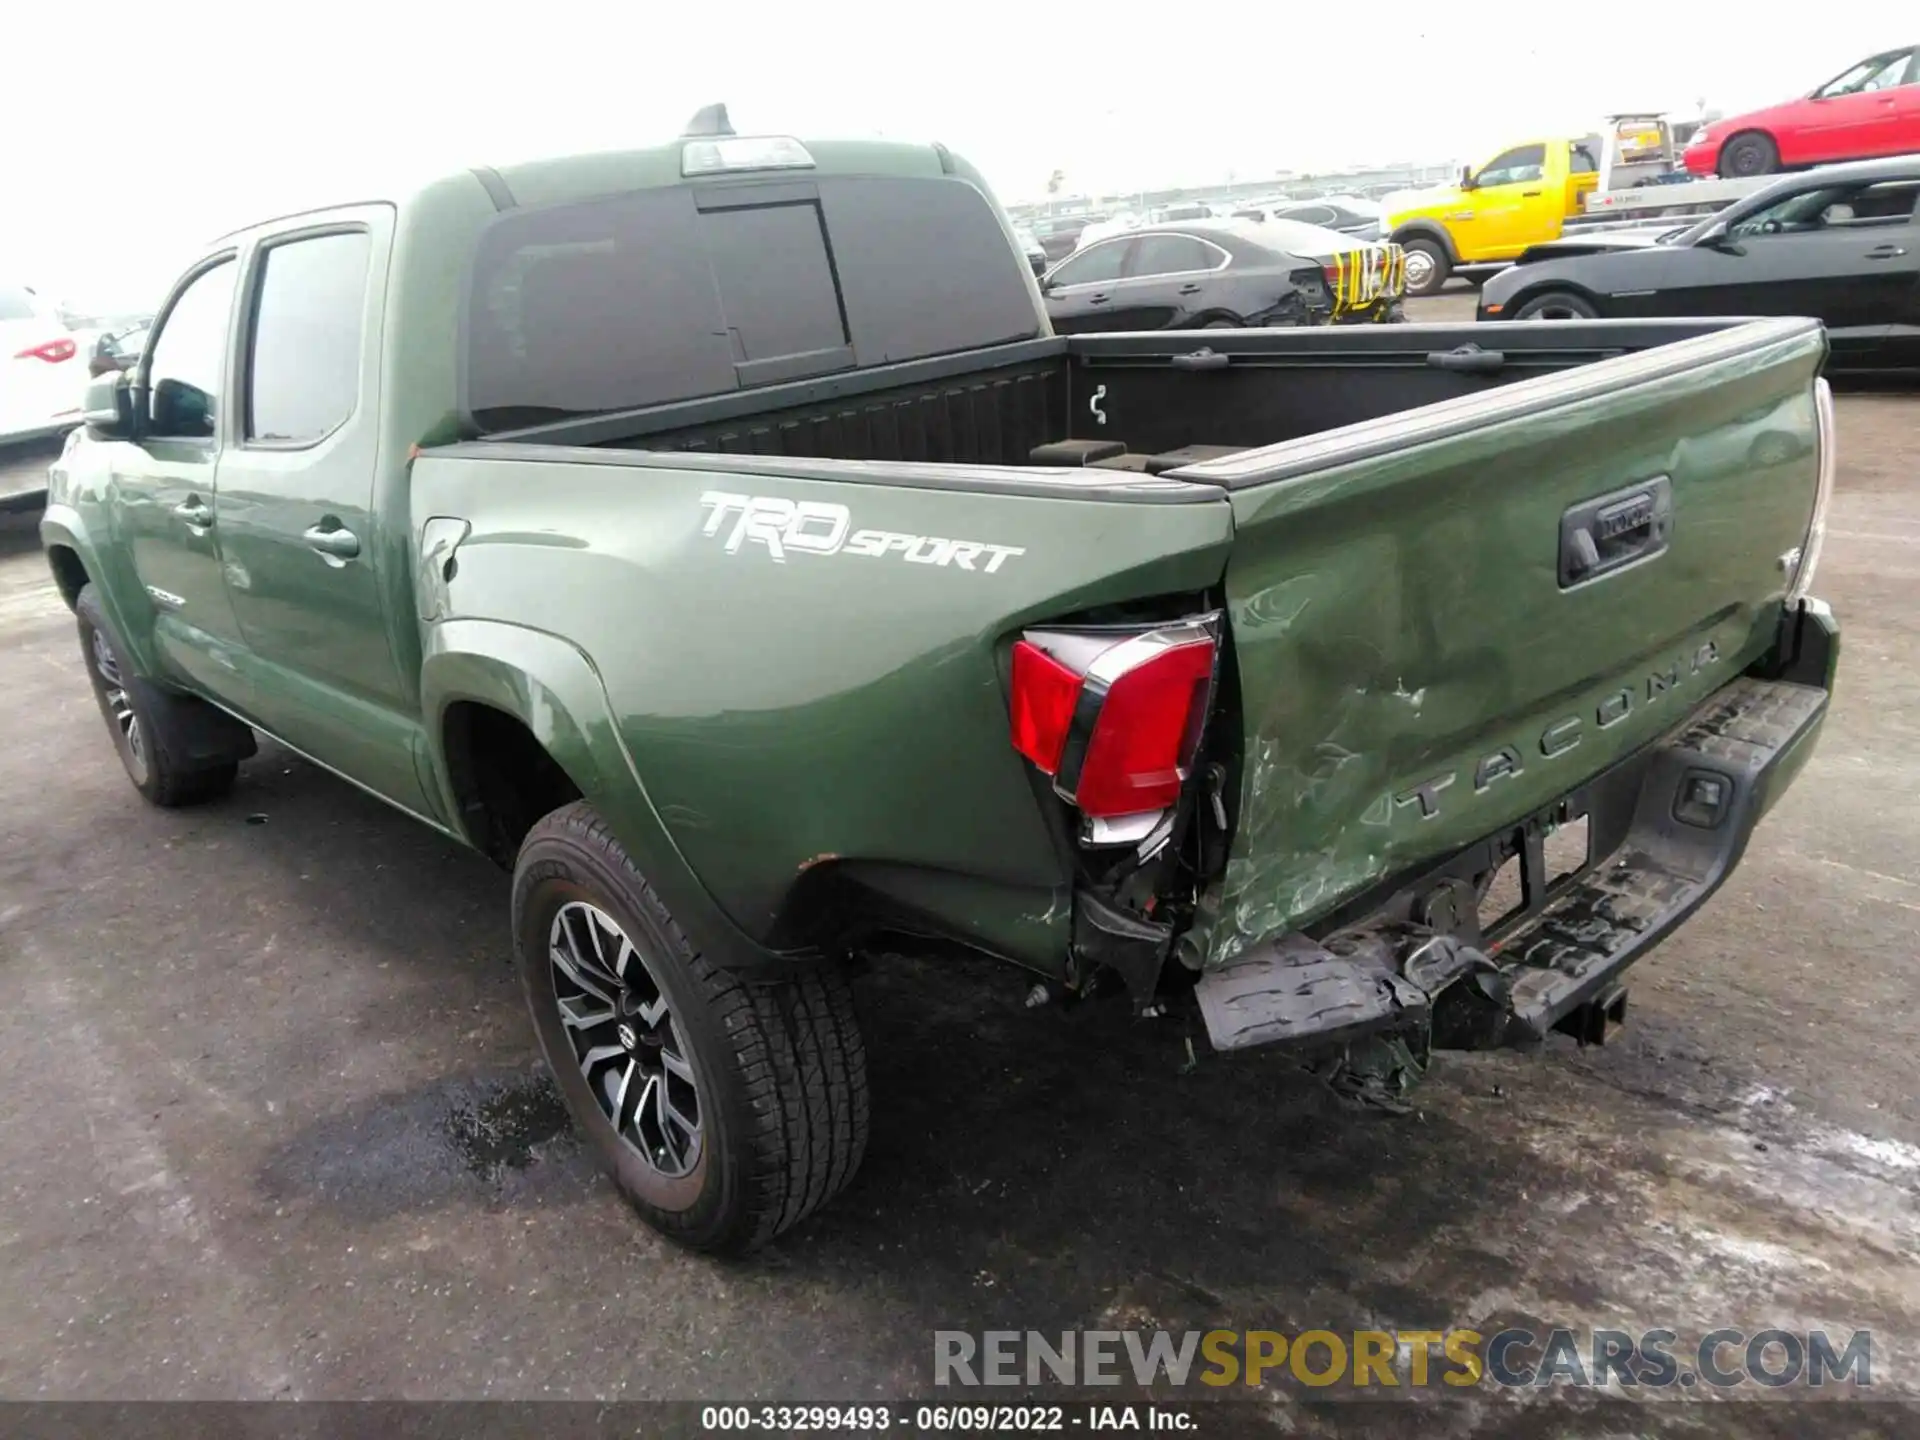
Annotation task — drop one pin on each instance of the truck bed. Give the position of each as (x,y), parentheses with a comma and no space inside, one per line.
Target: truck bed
(997,407)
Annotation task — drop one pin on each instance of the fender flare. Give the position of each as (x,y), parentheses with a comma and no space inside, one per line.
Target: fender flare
(552,687)
(1426,230)
(64,527)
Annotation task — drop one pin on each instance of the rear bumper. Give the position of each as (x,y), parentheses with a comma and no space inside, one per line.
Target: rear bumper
(1666,827)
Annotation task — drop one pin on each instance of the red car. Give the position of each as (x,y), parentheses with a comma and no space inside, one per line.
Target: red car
(1872,109)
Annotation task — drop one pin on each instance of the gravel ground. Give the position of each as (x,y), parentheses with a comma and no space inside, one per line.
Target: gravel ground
(275,1125)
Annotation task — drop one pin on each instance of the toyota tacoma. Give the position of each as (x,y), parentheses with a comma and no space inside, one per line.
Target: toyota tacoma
(717,536)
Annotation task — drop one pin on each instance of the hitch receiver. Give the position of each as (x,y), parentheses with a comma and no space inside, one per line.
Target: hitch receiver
(1590,1021)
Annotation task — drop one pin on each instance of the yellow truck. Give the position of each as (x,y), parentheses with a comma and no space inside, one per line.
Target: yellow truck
(1521,197)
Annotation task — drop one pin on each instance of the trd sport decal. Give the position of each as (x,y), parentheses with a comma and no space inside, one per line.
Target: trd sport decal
(818,527)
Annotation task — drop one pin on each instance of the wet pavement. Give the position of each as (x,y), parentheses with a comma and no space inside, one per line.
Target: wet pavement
(274,1123)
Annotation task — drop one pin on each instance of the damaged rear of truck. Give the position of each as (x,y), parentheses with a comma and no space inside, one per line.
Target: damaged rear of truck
(1410,733)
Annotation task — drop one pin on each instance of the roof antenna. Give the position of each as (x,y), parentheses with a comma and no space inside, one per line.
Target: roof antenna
(709,120)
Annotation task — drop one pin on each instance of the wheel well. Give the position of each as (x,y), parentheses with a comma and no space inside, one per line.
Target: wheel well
(1550,287)
(1424,231)
(69,575)
(503,778)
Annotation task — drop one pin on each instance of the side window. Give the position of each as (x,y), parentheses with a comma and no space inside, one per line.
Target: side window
(303,369)
(1582,161)
(1097,263)
(1172,255)
(189,356)
(1517,166)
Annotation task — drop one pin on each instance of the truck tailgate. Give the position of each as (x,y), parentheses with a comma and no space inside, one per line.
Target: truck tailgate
(1443,623)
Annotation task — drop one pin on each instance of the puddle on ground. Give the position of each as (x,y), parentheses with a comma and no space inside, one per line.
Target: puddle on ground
(501,1139)
(511,1128)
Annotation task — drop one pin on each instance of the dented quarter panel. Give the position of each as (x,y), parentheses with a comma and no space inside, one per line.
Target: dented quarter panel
(820,709)
(1400,630)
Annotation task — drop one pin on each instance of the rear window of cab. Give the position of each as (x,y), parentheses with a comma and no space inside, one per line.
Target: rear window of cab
(702,289)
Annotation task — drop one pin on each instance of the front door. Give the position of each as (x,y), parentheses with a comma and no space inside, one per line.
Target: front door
(1501,214)
(298,533)
(163,491)
(1844,255)
(1082,290)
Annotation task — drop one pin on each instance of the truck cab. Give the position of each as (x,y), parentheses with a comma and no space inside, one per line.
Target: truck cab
(1520,197)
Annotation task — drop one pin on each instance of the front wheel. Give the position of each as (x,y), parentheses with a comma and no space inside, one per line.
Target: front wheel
(1428,266)
(725,1111)
(176,749)
(1748,155)
(1557,305)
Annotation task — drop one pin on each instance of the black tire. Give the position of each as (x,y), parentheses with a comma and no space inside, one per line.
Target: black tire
(1223,323)
(1435,274)
(1748,154)
(1557,305)
(176,750)
(774,1071)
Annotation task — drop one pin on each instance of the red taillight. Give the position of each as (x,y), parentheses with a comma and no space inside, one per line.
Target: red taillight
(1118,720)
(1147,732)
(53,352)
(1044,694)
(1332,271)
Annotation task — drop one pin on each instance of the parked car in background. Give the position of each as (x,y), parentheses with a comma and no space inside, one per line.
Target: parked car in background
(1349,214)
(1841,243)
(1036,253)
(41,383)
(1871,109)
(1059,234)
(1224,274)
(118,349)
(1184,210)
(1121,222)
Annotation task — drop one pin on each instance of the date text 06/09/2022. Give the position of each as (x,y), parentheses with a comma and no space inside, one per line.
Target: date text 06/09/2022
(941,1419)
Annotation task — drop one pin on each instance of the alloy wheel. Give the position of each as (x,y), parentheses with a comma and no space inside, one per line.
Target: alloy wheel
(625,1038)
(132,740)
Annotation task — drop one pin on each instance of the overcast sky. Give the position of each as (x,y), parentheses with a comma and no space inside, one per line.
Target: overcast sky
(134,132)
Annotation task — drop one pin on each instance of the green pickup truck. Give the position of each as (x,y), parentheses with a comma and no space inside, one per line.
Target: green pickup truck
(717,537)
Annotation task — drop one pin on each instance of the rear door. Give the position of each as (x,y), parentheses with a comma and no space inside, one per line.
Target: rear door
(1081,290)
(1170,280)
(295,506)
(163,496)
(1417,668)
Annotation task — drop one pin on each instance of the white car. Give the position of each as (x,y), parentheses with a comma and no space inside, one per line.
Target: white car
(43,367)
(1106,229)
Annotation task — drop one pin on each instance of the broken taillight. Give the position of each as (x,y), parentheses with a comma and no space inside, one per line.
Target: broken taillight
(1114,717)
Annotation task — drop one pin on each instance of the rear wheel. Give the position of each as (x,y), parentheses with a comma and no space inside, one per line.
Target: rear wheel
(725,1111)
(1749,154)
(163,740)
(1222,324)
(1557,305)
(1428,266)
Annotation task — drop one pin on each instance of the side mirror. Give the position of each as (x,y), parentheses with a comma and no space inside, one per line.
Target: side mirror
(108,411)
(1466,177)
(1723,242)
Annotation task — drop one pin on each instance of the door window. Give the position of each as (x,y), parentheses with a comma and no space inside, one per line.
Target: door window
(189,356)
(1517,166)
(1172,255)
(1094,265)
(1882,72)
(303,372)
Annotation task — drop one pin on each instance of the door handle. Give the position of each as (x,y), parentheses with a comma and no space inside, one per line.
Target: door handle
(1886,252)
(1189,290)
(337,544)
(1098,299)
(195,511)
(1529,194)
